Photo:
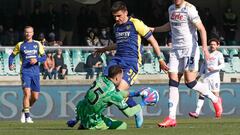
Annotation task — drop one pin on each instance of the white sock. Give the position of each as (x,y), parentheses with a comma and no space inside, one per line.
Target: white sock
(200,103)
(203,88)
(173,101)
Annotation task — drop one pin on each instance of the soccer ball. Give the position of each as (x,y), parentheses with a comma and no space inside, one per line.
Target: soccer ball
(149,96)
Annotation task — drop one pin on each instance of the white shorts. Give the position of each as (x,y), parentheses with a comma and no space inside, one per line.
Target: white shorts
(184,60)
(214,84)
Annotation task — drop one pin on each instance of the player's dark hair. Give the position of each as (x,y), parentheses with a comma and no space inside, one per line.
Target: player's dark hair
(114,70)
(117,6)
(215,40)
(26,27)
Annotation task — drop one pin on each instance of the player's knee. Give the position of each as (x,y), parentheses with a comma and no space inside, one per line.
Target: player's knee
(191,84)
(173,83)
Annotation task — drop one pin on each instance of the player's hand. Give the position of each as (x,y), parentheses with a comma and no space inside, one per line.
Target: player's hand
(151,29)
(33,61)
(11,67)
(163,66)
(99,51)
(72,122)
(206,54)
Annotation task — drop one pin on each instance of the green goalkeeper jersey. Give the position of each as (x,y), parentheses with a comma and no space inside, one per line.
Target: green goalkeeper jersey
(102,94)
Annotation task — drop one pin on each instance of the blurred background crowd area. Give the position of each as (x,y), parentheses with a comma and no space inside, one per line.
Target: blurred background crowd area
(89,22)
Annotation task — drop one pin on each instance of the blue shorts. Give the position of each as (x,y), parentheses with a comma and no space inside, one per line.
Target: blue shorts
(31,81)
(130,69)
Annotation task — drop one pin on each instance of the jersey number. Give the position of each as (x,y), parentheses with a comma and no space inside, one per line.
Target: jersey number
(190,61)
(97,92)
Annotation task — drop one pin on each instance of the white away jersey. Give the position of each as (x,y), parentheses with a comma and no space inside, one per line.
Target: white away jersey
(216,62)
(182,20)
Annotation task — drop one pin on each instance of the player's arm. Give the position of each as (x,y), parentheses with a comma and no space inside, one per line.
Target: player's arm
(42,56)
(203,35)
(131,111)
(202,70)
(145,32)
(104,49)
(164,28)
(220,63)
(118,100)
(16,50)
(196,21)
(157,50)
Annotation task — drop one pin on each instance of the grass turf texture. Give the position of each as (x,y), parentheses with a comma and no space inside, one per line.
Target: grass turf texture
(186,126)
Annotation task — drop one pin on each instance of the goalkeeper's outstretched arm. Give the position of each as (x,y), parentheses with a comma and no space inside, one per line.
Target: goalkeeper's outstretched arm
(131,111)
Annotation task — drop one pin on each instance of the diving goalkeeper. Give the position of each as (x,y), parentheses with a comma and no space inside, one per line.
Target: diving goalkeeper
(102,94)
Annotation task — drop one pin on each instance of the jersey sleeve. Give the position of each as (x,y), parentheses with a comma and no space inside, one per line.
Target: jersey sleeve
(16,49)
(142,29)
(41,49)
(118,100)
(220,62)
(193,15)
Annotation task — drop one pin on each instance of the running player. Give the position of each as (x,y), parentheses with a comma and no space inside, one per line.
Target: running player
(210,71)
(128,32)
(102,94)
(184,22)
(31,52)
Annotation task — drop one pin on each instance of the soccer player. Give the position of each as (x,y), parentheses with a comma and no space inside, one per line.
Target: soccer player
(184,22)
(128,32)
(210,71)
(102,94)
(31,52)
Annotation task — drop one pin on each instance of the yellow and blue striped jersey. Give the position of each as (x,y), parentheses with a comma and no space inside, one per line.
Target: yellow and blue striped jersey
(128,39)
(27,51)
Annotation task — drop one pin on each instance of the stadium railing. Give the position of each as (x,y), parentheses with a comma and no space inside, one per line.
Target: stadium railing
(75,58)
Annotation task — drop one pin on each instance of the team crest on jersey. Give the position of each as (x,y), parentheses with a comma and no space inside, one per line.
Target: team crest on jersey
(35,46)
(128,27)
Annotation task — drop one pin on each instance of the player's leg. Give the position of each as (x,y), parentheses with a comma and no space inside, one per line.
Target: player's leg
(200,103)
(26,104)
(26,81)
(129,76)
(130,102)
(114,124)
(35,87)
(175,74)
(190,74)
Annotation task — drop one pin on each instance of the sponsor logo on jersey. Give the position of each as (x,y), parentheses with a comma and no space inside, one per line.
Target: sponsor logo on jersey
(177,16)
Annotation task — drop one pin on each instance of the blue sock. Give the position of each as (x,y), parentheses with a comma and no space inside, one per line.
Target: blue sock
(139,119)
(139,115)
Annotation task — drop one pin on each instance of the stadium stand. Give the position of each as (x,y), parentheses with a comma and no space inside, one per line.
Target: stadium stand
(75,59)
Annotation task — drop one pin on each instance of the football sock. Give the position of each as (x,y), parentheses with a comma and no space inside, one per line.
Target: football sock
(173,101)
(139,119)
(200,103)
(26,111)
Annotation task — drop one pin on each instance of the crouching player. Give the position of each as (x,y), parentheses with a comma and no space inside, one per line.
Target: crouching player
(210,71)
(101,95)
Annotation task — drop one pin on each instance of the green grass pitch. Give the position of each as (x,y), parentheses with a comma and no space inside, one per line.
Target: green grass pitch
(186,126)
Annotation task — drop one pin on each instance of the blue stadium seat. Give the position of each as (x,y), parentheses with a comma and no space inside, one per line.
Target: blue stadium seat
(76,57)
(67,61)
(233,52)
(236,64)
(228,68)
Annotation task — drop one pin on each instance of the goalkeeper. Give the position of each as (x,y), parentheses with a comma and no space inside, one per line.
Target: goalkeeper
(102,94)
